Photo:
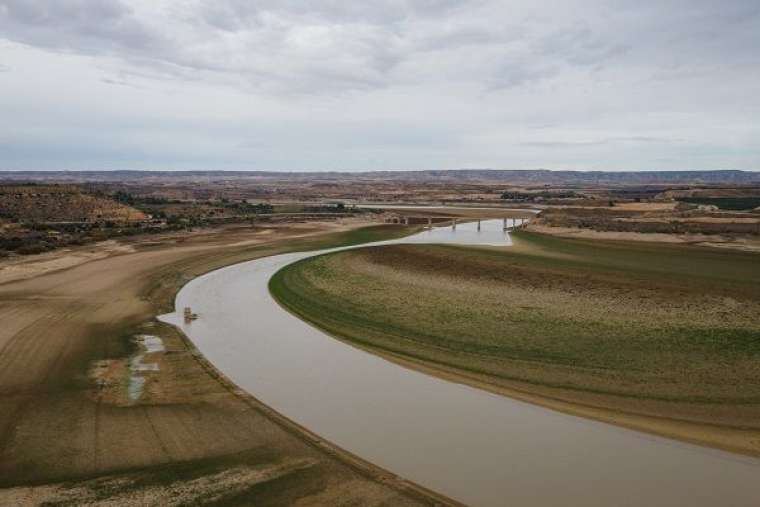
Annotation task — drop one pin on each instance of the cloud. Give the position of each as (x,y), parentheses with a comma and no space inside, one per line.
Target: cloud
(636,140)
(425,83)
(85,26)
(581,46)
(286,46)
(333,46)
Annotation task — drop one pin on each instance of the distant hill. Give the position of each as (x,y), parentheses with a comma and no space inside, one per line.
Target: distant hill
(605,177)
(528,176)
(60,203)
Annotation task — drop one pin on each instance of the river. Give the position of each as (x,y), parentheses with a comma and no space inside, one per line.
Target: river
(476,447)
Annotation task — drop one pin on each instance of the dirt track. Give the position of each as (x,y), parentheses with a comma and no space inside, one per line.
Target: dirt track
(70,435)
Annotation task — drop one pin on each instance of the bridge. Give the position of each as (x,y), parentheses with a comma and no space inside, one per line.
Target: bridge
(508,223)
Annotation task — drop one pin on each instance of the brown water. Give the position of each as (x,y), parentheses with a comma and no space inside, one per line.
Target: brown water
(476,447)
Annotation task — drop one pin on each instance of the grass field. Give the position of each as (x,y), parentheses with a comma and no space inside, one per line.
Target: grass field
(664,331)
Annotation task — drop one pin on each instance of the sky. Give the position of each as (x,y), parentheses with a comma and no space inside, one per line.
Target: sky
(382,85)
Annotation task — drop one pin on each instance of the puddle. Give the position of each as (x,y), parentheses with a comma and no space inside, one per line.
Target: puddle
(151,343)
(135,388)
(137,365)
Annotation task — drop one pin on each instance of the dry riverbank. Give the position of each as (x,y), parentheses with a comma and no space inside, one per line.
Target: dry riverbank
(731,242)
(661,338)
(77,428)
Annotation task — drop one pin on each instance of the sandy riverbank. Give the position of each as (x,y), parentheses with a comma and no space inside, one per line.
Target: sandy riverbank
(732,242)
(71,434)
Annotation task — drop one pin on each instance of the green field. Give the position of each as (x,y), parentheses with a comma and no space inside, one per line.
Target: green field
(660,330)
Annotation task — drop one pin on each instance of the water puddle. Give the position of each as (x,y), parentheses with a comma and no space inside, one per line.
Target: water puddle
(151,343)
(138,366)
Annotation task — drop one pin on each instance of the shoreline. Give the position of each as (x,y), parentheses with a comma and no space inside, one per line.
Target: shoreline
(165,280)
(407,420)
(153,273)
(357,463)
(733,439)
(682,431)
(672,429)
(736,242)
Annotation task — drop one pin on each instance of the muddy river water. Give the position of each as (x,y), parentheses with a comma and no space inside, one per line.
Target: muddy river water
(476,447)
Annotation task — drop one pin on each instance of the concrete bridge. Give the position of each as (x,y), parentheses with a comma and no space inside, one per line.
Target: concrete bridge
(508,223)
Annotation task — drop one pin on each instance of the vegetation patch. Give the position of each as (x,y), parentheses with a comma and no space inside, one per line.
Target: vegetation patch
(654,329)
(729,203)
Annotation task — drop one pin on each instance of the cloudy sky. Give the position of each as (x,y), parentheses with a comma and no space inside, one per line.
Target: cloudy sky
(344,85)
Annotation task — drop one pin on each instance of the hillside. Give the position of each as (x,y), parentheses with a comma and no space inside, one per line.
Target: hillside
(61,203)
(531,176)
